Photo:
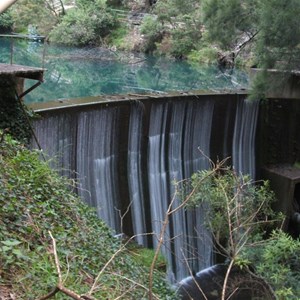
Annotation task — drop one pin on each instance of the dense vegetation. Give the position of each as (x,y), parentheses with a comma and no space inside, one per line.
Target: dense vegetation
(36,205)
(173,27)
(244,228)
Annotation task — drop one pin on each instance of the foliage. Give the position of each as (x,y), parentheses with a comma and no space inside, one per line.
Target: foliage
(207,55)
(90,4)
(227,20)
(34,13)
(152,31)
(278,43)
(272,27)
(238,209)
(14,117)
(87,24)
(179,21)
(145,256)
(118,36)
(277,260)
(6,22)
(84,24)
(241,219)
(205,52)
(279,39)
(34,201)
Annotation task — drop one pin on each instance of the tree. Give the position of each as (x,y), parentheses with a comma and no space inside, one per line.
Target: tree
(6,22)
(228,21)
(242,222)
(37,13)
(272,27)
(175,28)
(86,24)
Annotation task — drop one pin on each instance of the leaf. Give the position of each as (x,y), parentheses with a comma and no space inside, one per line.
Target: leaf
(5,248)
(11,243)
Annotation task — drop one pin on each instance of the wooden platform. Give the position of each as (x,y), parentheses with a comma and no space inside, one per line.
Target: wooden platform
(22,71)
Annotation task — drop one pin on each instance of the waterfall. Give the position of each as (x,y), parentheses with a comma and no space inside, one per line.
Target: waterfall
(243,152)
(97,162)
(164,141)
(157,174)
(176,133)
(197,135)
(56,138)
(135,173)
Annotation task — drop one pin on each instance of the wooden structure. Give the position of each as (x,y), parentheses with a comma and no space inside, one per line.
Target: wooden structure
(17,75)
(21,71)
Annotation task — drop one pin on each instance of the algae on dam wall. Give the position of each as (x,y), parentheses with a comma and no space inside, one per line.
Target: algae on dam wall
(278,155)
(279,132)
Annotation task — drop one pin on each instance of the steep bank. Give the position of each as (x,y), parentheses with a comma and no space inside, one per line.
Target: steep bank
(36,205)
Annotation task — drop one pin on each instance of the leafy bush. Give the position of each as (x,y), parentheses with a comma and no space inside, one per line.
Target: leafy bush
(83,26)
(6,22)
(278,261)
(118,36)
(241,220)
(176,28)
(183,41)
(152,30)
(239,210)
(206,55)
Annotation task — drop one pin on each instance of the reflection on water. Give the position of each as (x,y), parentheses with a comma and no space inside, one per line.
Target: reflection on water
(80,72)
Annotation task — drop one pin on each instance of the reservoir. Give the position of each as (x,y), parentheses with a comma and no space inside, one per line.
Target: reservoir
(80,72)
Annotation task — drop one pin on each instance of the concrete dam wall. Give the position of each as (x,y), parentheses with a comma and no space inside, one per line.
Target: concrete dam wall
(126,154)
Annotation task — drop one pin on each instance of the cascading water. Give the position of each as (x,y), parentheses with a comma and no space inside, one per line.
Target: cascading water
(97,162)
(243,149)
(162,141)
(176,133)
(56,136)
(157,174)
(135,173)
(197,137)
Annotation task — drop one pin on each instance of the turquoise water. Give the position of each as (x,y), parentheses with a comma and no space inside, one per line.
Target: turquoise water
(81,72)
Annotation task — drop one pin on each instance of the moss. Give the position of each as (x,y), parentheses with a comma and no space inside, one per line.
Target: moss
(13,116)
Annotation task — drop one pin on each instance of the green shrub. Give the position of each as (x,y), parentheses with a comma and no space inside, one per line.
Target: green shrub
(241,220)
(277,260)
(6,22)
(152,30)
(236,206)
(207,55)
(83,26)
(117,37)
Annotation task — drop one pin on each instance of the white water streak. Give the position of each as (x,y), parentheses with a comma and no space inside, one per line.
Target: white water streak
(243,152)
(135,174)
(97,162)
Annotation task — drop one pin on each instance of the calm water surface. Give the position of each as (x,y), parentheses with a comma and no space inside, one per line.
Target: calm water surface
(81,72)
